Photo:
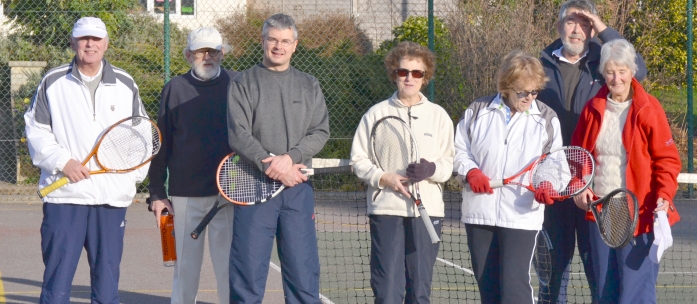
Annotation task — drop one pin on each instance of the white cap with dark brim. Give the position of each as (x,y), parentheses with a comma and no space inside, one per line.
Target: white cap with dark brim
(205,37)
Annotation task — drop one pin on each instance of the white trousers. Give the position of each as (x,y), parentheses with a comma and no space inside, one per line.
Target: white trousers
(188,213)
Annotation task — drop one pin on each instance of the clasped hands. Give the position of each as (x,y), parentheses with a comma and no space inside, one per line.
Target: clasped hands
(282,168)
(416,172)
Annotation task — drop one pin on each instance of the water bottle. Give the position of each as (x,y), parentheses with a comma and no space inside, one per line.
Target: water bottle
(169,251)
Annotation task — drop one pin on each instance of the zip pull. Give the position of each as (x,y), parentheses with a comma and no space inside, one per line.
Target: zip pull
(94,116)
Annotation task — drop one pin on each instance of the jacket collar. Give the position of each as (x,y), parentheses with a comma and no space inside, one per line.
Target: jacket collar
(593,50)
(398,103)
(108,74)
(640,98)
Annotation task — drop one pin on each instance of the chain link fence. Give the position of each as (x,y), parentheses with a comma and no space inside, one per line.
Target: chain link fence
(342,43)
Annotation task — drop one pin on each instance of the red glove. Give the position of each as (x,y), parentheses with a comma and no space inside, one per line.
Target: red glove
(479,183)
(545,191)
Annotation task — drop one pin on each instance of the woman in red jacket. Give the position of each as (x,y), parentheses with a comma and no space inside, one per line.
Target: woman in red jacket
(647,163)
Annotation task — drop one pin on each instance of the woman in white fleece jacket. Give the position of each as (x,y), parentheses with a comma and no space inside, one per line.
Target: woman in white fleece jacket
(402,255)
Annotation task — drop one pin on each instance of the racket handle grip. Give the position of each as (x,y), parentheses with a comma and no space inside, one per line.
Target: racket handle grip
(429,225)
(204,222)
(53,187)
(328,170)
(496,183)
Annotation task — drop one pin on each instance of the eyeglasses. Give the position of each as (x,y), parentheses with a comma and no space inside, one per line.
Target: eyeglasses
(202,53)
(525,94)
(414,73)
(284,42)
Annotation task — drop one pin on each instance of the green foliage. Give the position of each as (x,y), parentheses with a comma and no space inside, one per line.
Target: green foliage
(137,50)
(660,36)
(51,21)
(416,29)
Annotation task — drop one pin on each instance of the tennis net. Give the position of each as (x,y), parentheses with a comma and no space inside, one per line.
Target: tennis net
(344,247)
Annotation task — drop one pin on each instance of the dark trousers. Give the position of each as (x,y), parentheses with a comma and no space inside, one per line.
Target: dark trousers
(501,260)
(65,230)
(566,225)
(401,258)
(289,217)
(625,275)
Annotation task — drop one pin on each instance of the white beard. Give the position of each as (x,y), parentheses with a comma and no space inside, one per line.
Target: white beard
(204,72)
(573,49)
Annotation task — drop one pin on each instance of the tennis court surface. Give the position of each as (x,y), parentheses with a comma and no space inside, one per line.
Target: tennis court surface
(344,247)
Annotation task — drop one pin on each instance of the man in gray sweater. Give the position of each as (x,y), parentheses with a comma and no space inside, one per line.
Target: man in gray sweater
(277,120)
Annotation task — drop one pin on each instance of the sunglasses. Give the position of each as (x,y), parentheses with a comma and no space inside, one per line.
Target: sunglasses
(525,94)
(414,73)
(202,53)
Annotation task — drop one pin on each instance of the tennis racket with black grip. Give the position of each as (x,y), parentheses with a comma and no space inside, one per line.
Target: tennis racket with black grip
(241,183)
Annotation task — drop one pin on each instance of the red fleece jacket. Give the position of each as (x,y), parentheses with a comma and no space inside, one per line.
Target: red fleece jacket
(653,162)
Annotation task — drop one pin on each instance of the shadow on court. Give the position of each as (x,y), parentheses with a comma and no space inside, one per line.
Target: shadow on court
(81,293)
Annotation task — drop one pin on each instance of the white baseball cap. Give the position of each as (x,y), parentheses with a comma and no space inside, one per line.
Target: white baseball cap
(89,26)
(204,37)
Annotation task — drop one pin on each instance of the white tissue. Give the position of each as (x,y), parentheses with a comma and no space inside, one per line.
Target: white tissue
(663,239)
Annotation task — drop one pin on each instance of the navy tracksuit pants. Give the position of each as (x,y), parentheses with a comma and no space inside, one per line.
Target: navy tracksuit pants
(288,217)
(65,230)
(625,275)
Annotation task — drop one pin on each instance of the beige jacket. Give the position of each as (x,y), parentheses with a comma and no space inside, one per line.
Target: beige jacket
(433,130)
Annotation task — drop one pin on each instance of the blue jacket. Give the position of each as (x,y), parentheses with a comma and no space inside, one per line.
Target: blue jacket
(589,83)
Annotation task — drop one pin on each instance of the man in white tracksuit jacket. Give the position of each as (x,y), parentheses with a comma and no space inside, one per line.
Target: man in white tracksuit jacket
(73,105)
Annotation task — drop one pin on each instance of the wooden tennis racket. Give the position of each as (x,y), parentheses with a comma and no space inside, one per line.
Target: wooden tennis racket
(125,146)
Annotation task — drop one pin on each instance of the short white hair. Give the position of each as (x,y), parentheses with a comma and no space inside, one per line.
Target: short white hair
(619,52)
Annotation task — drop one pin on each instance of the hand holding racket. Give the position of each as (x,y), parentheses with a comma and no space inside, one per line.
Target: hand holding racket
(125,146)
(616,215)
(393,149)
(564,172)
(241,183)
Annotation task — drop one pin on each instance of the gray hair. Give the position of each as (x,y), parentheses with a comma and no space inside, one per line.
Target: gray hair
(280,22)
(583,5)
(619,52)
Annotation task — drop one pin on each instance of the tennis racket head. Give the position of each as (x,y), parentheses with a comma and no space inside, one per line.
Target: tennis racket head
(393,145)
(542,260)
(128,144)
(243,184)
(616,215)
(566,172)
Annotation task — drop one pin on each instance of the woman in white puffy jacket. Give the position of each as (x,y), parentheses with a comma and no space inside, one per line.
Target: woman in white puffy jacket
(402,255)
(497,137)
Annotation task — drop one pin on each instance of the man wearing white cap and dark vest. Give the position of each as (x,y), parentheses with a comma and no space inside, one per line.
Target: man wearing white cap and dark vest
(193,122)
(72,107)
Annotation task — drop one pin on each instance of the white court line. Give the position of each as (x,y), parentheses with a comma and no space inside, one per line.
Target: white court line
(455,266)
(324,299)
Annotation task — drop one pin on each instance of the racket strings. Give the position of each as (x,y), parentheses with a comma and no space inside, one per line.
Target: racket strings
(615,220)
(566,171)
(128,144)
(393,146)
(542,260)
(242,182)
